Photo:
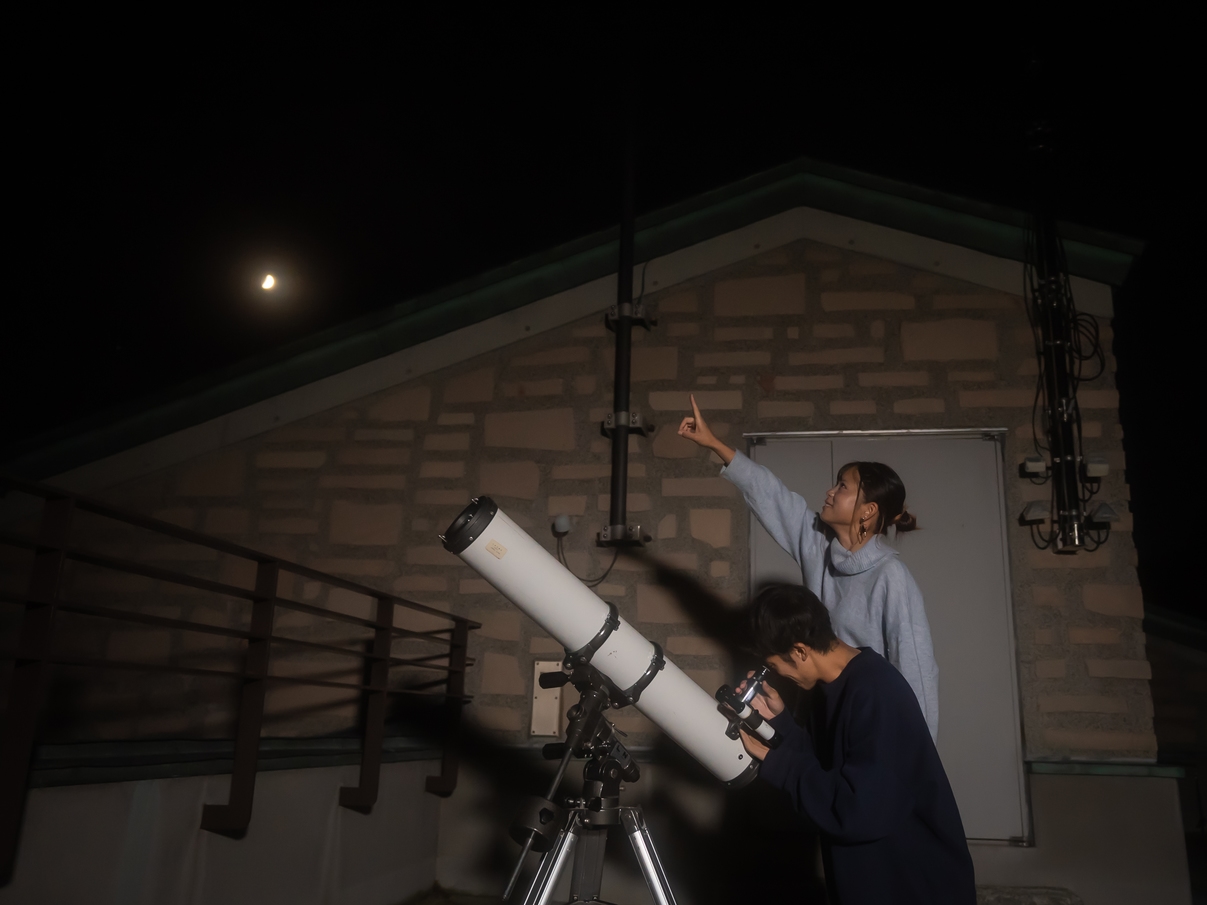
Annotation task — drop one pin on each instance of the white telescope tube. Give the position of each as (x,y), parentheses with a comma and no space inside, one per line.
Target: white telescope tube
(527,575)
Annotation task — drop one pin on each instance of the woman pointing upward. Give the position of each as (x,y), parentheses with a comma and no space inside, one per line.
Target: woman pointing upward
(843,556)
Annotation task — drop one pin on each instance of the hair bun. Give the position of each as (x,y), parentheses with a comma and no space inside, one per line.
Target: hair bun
(905,521)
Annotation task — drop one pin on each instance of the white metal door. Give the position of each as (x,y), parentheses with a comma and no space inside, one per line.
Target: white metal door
(959,559)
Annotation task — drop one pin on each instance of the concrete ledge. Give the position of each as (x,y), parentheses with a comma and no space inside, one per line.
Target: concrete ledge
(1026,895)
(103,762)
(142,842)
(1086,768)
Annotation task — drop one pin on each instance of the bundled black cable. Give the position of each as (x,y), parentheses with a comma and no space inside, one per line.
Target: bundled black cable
(1069,340)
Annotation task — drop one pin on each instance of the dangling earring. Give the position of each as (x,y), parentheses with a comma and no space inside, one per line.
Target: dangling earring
(863,531)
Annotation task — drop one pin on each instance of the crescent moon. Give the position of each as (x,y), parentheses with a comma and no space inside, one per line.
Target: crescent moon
(269,281)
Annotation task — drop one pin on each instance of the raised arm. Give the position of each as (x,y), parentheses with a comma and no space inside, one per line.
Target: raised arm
(784,513)
(696,429)
(907,642)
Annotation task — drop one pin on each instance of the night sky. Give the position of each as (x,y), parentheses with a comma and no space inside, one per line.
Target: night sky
(161,173)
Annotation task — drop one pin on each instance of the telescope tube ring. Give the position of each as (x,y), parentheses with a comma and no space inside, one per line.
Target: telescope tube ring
(583,655)
(632,694)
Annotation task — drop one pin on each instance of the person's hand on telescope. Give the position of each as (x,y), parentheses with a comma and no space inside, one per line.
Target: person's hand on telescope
(754,747)
(767,703)
(696,429)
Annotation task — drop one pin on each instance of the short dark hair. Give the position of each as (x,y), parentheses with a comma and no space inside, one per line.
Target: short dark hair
(783,615)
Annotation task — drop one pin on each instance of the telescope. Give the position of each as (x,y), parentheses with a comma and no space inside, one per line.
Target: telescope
(611,665)
(592,631)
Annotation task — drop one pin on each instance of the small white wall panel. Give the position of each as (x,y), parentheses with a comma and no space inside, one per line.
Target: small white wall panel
(546,702)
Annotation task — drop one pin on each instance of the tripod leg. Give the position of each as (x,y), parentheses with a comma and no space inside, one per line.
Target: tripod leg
(647,856)
(588,865)
(552,864)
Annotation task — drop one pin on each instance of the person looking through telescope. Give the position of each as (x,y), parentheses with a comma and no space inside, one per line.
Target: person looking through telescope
(844,558)
(865,770)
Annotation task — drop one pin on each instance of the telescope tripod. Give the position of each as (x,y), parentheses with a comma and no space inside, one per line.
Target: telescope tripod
(584,835)
(580,829)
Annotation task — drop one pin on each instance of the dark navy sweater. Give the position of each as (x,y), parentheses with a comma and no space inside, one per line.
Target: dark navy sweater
(868,775)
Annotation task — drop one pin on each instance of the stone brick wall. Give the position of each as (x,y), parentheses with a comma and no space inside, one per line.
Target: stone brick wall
(805,337)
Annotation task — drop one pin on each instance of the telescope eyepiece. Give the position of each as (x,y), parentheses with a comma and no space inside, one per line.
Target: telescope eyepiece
(755,684)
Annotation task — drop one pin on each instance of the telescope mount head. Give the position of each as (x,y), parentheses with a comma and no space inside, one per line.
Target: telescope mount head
(589,734)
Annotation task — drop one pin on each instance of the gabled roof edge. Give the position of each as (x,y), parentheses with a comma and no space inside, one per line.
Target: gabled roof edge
(998,231)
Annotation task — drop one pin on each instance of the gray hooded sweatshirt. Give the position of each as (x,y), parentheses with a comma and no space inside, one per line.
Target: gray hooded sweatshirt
(873,600)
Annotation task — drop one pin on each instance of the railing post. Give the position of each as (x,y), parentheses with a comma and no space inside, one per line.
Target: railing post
(232,818)
(363,797)
(444,784)
(30,676)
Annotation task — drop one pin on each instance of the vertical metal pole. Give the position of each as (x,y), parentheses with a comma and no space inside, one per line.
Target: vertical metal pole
(1053,308)
(232,818)
(363,797)
(444,784)
(31,676)
(618,506)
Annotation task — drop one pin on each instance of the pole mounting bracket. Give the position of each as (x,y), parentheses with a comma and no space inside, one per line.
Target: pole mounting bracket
(634,421)
(640,313)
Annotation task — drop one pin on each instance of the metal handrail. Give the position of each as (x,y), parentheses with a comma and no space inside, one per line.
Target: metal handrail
(139,520)
(105,612)
(36,652)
